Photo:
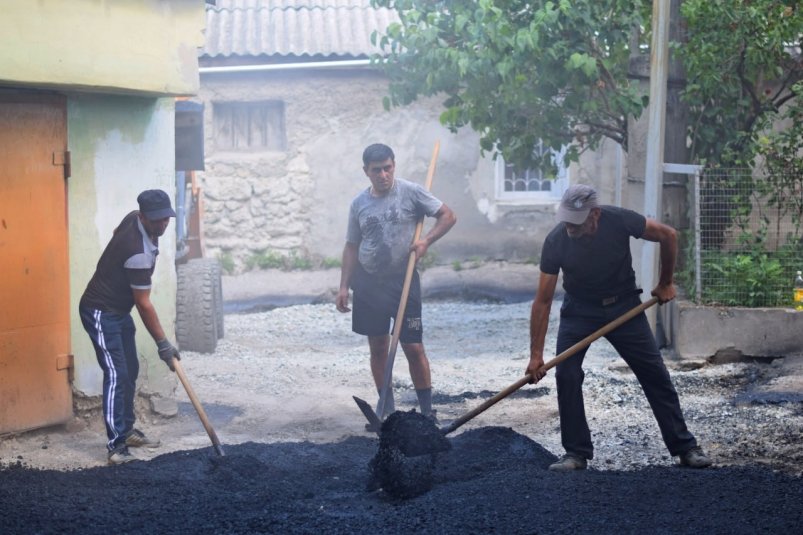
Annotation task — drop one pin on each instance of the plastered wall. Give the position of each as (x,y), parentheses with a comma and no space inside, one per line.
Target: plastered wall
(119,147)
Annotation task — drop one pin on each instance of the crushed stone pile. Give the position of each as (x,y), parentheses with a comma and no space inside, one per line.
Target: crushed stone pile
(491,480)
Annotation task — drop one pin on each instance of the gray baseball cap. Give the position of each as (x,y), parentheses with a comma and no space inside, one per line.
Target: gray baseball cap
(576,204)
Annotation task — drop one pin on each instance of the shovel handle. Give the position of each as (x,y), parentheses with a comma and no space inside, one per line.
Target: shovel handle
(198,408)
(585,342)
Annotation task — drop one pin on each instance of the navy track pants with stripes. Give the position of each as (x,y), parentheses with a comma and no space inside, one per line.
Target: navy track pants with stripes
(112,336)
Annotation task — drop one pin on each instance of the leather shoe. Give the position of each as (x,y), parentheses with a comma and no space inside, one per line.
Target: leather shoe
(569,462)
(695,458)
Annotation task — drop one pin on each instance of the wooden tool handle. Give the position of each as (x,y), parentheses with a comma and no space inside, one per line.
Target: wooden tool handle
(585,342)
(408,277)
(198,408)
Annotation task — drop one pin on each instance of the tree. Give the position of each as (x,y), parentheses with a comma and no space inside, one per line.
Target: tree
(743,67)
(519,71)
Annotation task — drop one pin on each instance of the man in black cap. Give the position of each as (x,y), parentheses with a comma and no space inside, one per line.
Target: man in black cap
(591,244)
(121,281)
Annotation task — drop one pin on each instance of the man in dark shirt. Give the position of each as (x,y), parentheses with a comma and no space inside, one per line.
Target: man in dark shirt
(121,281)
(591,244)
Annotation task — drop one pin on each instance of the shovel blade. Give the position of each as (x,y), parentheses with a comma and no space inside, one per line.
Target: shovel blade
(370,415)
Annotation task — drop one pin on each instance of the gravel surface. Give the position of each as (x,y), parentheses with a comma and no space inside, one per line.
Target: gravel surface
(278,391)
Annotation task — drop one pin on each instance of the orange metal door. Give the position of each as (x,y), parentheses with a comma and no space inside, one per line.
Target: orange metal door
(35,364)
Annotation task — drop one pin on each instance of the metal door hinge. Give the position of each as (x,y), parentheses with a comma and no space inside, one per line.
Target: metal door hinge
(66,362)
(63,158)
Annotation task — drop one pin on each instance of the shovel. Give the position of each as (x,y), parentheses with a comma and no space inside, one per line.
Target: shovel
(582,344)
(375,418)
(198,408)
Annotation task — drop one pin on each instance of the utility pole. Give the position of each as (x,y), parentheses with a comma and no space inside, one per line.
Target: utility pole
(653,175)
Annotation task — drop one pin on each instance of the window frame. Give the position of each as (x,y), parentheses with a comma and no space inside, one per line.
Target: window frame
(559,185)
(272,113)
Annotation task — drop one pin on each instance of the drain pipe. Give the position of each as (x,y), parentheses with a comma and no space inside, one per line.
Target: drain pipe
(285,66)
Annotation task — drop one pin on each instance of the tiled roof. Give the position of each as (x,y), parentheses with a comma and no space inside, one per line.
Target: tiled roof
(293,28)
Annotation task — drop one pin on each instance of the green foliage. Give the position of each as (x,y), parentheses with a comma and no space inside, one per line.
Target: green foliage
(519,71)
(741,69)
(264,259)
(744,77)
(296,261)
(457,265)
(267,259)
(330,262)
(753,279)
(226,262)
(782,159)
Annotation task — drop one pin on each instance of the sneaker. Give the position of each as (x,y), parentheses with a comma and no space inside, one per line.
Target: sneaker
(569,462)
(695,458)
(137,439)
(121,455)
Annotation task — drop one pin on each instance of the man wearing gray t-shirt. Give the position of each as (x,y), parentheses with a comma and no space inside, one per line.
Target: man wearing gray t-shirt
(379,240)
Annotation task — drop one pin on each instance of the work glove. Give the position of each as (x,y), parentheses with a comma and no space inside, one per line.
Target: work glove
(166,352)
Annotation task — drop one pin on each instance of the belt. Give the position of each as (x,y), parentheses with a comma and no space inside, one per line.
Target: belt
(608,301)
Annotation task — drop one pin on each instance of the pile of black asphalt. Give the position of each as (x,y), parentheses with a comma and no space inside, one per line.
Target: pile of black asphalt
(491,480)
(409,444)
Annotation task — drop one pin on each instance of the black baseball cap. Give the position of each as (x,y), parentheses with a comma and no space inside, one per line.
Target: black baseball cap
(155,204)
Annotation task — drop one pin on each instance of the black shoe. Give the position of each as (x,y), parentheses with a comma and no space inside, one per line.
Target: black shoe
(695,458)
(433,417)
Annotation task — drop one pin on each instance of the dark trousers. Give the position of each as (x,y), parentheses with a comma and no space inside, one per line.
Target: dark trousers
(635,343)
(112,336)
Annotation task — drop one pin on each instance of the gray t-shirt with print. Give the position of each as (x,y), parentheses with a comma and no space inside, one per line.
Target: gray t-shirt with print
(383,227)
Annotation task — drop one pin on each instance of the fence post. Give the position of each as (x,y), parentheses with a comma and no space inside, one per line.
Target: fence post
(696,170)
(698,263)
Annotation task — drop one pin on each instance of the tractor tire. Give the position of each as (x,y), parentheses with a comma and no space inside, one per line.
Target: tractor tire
(196,307)
(217,279)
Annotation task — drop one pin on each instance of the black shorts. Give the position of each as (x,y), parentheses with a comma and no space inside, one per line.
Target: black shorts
(376,302)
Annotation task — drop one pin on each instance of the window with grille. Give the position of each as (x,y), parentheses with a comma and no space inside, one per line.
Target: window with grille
(249,126)
(535,184)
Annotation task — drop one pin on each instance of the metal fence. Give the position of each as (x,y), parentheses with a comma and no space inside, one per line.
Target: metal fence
(748,237)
